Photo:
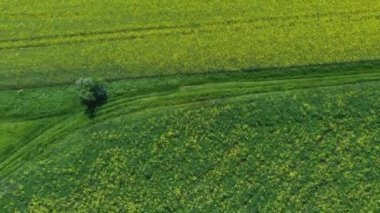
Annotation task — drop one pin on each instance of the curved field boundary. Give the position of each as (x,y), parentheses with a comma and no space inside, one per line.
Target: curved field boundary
(184,96)
(194,28)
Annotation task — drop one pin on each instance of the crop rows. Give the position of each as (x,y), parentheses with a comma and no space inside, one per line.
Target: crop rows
(212,105)
(143,32)
(225,153)
(197,46)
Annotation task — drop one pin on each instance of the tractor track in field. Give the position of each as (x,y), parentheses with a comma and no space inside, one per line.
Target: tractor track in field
(167,100)
(249,87)
(10,160)
(185,29)
(205,98)
(137,29)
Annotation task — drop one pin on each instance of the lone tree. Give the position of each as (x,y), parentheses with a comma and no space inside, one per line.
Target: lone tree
(92,94)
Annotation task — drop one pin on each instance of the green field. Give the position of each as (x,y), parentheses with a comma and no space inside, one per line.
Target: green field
(214,106)
(49,42)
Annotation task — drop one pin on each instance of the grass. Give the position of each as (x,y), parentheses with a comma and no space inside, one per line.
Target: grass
(204,141)
(13,133)
(46,43)
(228,106)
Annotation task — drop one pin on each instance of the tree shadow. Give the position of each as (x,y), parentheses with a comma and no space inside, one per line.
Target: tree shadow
(91,112)
(92,106)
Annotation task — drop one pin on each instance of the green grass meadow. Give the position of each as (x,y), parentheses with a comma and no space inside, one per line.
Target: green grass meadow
(214,106)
